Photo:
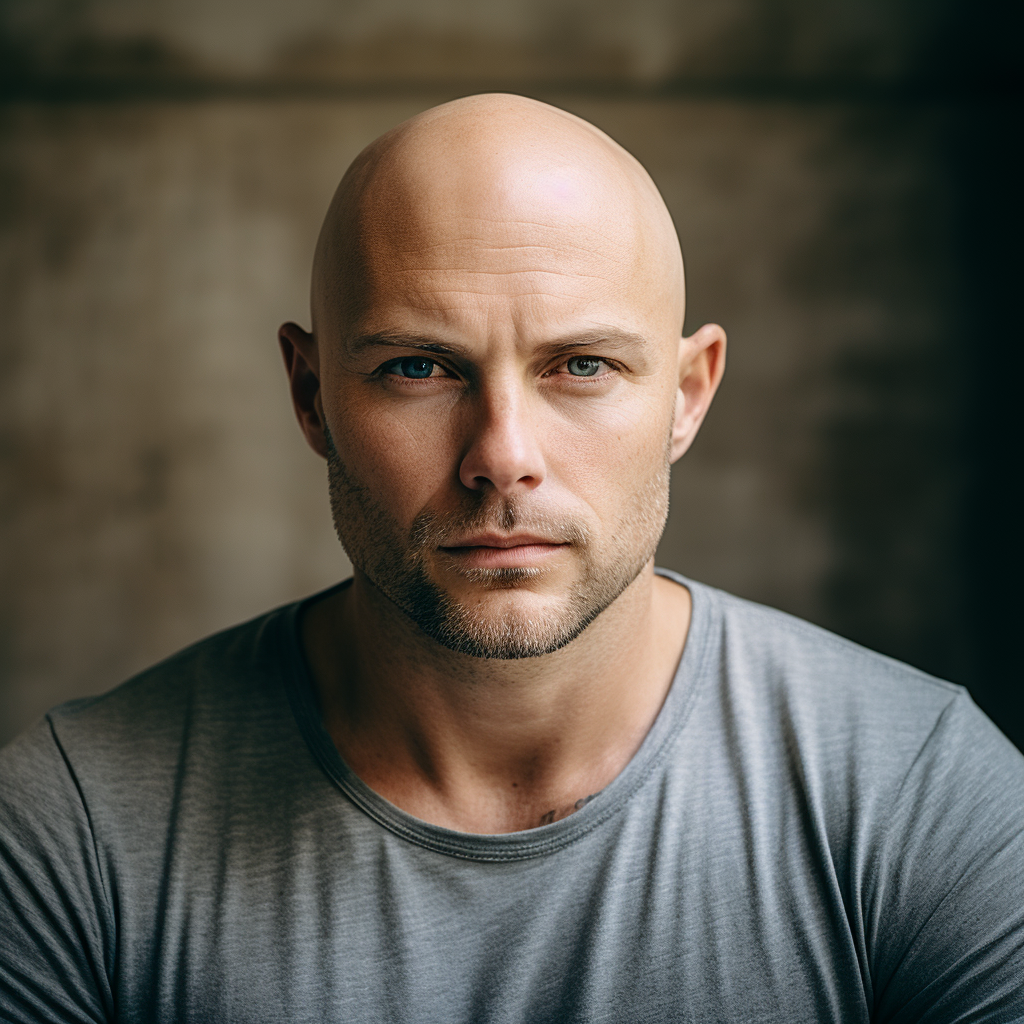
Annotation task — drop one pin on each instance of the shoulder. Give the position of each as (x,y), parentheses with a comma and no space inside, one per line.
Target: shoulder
(806,656)
(229,689)
(773,659)
(223,673)
(847,722)
(88,799)
(912,798)
(846,694)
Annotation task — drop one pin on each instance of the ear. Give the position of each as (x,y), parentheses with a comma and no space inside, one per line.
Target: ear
(701,364)
(302,364)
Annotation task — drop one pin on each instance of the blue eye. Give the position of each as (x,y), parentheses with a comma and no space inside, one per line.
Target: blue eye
(583,366)
(415,367)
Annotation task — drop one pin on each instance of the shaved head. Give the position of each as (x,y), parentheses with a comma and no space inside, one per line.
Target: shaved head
(496,374)
(477,177)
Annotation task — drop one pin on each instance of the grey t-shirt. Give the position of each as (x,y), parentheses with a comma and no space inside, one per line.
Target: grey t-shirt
(810,832)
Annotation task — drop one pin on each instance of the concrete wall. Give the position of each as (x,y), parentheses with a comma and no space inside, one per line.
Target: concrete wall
(164,168)
(525,41)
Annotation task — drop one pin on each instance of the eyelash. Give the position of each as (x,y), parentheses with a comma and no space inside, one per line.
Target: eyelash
(588,359)
(389,368)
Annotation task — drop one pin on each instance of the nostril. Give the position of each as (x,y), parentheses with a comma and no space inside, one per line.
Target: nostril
(505,479)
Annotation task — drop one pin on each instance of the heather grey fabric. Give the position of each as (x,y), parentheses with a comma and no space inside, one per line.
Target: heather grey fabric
(810,832)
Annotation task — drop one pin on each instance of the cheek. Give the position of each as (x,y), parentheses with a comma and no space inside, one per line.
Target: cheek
(400,459)
(611,455)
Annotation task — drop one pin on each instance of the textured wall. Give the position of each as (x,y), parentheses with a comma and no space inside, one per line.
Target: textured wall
(163,171)
(526,41)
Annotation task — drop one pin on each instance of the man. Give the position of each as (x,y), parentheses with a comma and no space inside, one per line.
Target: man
(509,772)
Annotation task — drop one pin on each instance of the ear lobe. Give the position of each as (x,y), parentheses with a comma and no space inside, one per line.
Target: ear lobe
(302,364)
(701,365)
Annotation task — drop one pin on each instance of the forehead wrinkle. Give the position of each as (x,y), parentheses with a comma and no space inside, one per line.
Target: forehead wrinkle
(488,272)
(511,223)
(459,298)
(562,254)
(488,246)
(434,235)
(428,266)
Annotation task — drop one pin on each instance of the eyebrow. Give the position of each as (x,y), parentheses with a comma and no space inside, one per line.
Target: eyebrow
(613,336)
(399,339)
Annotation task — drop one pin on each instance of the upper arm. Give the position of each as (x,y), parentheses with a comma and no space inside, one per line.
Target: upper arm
(947,900)
(56,934)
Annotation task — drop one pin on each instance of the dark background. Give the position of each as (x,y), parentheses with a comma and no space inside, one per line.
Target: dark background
(845,177)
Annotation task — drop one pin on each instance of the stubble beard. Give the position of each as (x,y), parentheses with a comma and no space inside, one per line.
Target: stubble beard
(397,565)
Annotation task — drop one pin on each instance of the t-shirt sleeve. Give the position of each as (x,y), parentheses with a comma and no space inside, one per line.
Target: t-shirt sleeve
(945,909)
(56,934)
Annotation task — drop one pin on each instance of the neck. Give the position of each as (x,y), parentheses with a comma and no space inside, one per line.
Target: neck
(487,745)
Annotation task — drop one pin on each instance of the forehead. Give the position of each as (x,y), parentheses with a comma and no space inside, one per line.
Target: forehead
(462,258)
(533,290)
(541,260)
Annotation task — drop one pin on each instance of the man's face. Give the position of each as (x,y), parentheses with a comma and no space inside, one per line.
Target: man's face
(499,414)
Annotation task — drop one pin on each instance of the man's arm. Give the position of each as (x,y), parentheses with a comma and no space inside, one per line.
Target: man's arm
(944,907)
(56,926)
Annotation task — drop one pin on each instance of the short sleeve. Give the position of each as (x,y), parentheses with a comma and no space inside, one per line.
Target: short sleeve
(946,904)
(56,934)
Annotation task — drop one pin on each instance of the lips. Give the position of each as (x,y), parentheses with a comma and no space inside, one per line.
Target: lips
(504,541)
(500,551)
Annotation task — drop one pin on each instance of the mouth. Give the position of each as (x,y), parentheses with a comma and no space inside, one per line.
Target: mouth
(503,551)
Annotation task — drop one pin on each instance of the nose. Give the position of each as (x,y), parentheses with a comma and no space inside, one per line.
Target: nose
(504,450)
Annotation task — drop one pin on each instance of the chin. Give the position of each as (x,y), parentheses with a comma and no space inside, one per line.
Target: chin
(500,616)
(508,635)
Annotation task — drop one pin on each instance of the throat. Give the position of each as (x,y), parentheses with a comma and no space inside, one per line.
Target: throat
(492,747)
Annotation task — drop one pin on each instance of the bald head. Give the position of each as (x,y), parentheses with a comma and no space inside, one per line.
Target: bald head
(493,192)
(497,375)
